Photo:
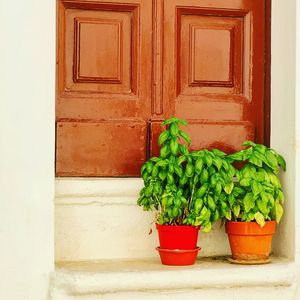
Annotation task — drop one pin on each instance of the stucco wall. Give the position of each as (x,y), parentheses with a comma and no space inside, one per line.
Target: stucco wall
(27,86)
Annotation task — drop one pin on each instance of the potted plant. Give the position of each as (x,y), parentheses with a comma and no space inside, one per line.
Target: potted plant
(254,205)
(180,186)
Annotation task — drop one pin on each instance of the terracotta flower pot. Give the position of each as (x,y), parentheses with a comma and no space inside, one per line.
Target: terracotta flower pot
(250,242)
(178,257)
(177,237)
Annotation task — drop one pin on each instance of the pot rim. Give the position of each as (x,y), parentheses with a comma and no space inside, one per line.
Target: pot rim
(178,250)
(250,228)
(177,226)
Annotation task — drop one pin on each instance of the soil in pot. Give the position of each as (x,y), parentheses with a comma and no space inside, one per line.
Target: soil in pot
(250,242)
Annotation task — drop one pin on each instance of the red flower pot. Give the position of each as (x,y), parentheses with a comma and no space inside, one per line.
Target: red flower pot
(178,257)
(177,237)
(248,241)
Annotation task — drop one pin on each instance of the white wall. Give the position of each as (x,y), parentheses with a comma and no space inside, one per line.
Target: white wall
(297,184)
(283,114)
(27,87)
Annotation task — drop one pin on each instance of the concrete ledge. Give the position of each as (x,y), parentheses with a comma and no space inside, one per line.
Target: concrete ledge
(97,187)
(101,277)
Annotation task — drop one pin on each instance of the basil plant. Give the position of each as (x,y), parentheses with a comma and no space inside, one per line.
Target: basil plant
(257,193)
(183,187)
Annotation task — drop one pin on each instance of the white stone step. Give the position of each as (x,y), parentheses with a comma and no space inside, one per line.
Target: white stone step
(148,279)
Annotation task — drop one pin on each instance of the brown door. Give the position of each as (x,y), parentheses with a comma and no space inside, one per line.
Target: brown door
(214,70)
(124,66)
(104,87)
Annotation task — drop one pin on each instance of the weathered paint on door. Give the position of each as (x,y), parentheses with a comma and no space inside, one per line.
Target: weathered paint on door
(125,66)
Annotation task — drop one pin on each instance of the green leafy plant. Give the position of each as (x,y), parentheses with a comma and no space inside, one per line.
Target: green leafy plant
(185,187)
(257,194)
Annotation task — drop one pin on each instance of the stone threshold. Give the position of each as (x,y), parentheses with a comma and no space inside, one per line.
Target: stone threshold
(110,276)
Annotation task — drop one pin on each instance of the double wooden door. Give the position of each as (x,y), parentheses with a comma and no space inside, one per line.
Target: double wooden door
(122,67)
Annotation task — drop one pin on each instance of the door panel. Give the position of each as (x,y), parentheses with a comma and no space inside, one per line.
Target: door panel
(104,62)
(106,148)
(213,71)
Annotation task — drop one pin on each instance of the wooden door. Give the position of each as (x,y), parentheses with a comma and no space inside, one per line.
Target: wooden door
(125,66)
(213,71)
(104,87)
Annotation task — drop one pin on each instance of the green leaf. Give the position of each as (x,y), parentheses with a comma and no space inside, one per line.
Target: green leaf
(271,200)
(218,163)
(174,146)
(181,159)
(178,171)
(198,204)
(228,215)
(204,176)
(207,227)
(162,163)
(218,152)
(162,175)
(248,171)
(256,187)
(163,137)
(248,144)
(199,165)
(203,213)
(245,182)
(236,210)
(231,199)
(238,156)
(281,162)
(185,136)
(248,202)
(260,148)
(155,171)
(247,153)
(215,216)
(200,192)
(238,191)
(167,121)
(164,151)
(262,206)
(274,180)
(218,189)
(278,211)
(183,149)
(208,159)
(211,203)
(259,219)
(271,158)
(214,179)
(182,122)
(189,170)
(228,187)
(256,161)
(174,130)
(259,176)
(280,196)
